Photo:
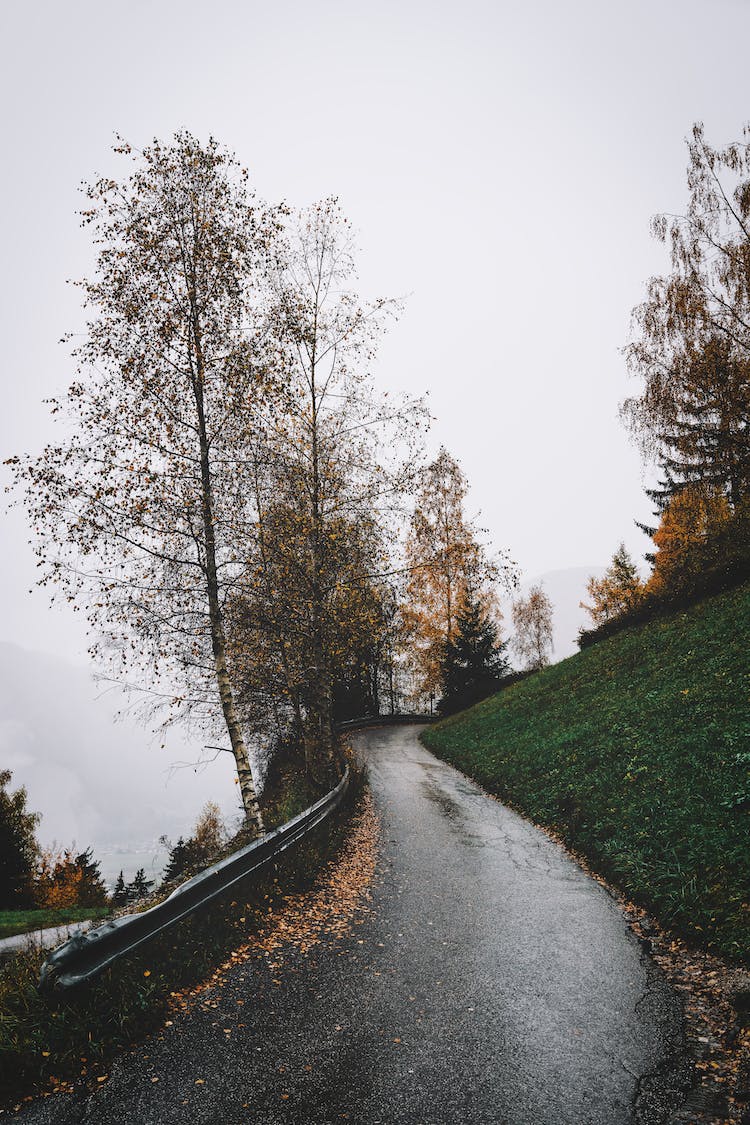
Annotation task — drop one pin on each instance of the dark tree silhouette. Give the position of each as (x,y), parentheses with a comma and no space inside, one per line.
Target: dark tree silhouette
(473,661)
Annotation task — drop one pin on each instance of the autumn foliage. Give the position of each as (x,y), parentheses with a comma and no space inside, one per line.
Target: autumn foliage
(64,878)
(448,569)
(692,519)
(618,591)
(532,619)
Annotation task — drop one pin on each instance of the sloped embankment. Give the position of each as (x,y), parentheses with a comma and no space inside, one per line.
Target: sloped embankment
(637,751)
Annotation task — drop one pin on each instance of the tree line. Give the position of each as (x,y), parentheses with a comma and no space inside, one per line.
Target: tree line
(243,516)
(60,878)
(690,349)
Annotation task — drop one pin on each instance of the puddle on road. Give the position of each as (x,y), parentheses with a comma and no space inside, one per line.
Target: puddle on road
(439,797)
(454,813)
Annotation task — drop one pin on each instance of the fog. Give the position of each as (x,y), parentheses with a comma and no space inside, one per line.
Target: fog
(96,779)
(501,162)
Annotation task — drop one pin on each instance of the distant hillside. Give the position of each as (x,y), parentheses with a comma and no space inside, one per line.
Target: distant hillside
(638,751)
(93,778)
(566,589)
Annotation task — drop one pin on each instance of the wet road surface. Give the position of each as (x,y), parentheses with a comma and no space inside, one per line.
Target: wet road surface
(492,983)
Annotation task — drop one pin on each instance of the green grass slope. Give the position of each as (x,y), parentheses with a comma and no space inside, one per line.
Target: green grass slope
(14,922)
(637,751)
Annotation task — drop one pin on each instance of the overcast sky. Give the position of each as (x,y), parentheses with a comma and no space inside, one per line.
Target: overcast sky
(501,162)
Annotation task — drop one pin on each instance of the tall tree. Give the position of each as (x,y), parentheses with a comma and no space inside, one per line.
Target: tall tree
(141,510)
(617,591)
(532,618)
(332,465)
(120,891)
(692,340)
(445,561)
(139,887)
(92,890)
(474,660)
(18,846)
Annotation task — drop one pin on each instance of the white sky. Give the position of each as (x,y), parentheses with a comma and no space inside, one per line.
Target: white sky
(500,160)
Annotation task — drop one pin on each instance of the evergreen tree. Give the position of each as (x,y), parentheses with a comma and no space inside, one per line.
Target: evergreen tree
(473,660)
(619,590)
(140,885)
(18,846)
(708,440)
(182,858)
(91,889)
(120,893)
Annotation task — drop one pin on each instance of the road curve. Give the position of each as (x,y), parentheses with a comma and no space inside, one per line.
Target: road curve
(493,983)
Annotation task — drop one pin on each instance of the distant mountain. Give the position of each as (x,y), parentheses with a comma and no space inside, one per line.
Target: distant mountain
(96,779)
(565,589)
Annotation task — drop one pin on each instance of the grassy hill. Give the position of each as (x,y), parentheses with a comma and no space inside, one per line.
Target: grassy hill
(637,750)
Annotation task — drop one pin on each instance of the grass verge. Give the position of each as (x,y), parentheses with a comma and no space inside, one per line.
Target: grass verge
(49,1043)
(14,922)
(637,752)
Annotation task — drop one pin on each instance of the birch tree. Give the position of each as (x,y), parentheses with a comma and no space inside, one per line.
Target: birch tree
(332,472)
(140,511)
(532,618)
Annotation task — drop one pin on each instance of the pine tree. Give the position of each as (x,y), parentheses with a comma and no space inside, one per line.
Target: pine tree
(473,661)
(120,893)
(182,858)
(619,590)
(91,889)
(708,441)
(140,885)
(18,846)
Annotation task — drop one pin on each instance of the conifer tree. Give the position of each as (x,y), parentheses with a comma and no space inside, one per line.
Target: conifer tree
(91,889)
(184,858)
(140,885)
(474,660)
(120,892)
(619,590)
(18,846)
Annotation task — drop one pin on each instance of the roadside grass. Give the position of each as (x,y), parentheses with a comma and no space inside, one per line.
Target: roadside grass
(56,1042)
(637,752)
(14,922)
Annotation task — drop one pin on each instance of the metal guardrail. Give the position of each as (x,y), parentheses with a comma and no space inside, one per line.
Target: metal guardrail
(386,720)
(85,955)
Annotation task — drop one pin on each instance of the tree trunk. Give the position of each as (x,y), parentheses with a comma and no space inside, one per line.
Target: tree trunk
(253,816)
(320,695)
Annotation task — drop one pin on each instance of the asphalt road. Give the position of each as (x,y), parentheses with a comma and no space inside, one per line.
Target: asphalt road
(493,982)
